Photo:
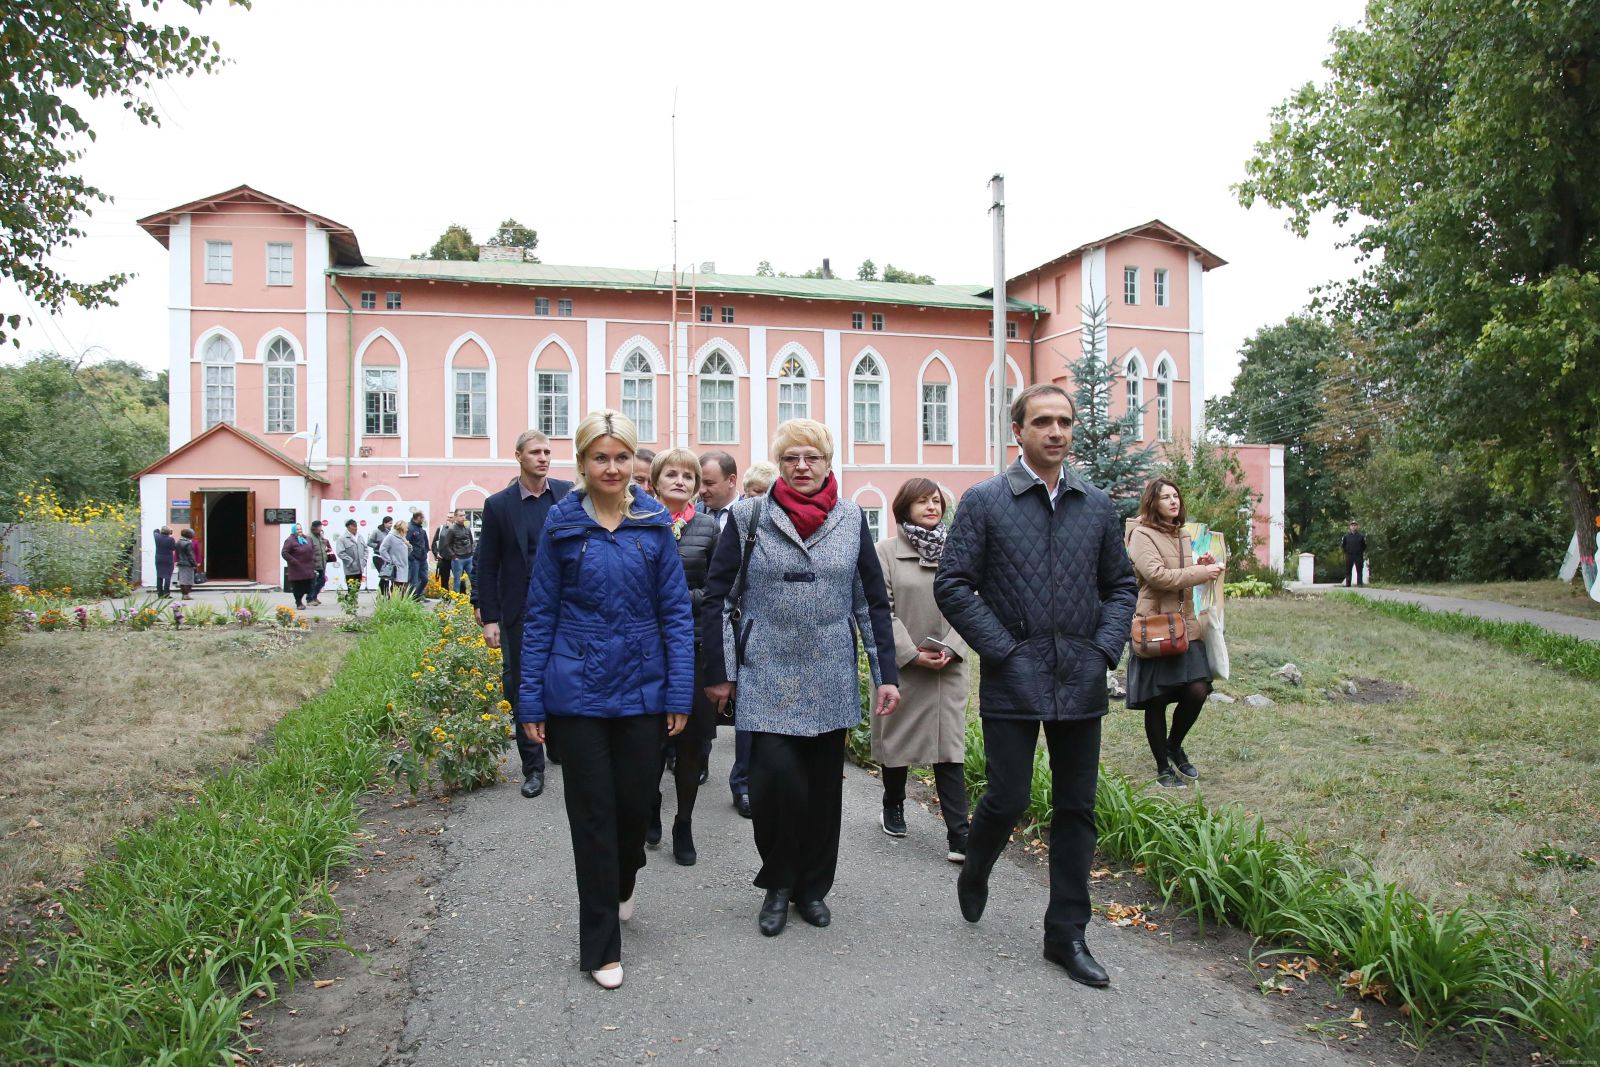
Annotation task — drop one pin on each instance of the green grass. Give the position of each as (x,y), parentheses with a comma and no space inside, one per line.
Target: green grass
(222,900)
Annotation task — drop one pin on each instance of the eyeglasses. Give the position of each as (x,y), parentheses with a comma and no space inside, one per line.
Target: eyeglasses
(809,459)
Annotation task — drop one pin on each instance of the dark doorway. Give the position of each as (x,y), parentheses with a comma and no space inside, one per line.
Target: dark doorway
(227,536)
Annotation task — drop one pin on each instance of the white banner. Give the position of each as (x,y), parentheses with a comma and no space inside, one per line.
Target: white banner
(368,514)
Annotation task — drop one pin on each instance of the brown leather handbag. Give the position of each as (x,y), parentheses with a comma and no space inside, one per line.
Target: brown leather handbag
(1163,633)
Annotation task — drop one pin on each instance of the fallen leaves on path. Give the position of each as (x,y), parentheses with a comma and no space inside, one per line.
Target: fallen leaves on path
(1127,915)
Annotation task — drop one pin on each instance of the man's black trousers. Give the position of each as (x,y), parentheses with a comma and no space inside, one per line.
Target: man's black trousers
(531,752)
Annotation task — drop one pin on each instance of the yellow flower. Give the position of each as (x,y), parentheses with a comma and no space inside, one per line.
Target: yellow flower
(504,705)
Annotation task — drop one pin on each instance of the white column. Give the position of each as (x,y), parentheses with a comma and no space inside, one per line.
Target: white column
(759,434)
(316,283)
(833,385)
(1094,280)
(152,516)
(1197,351)
(595,366)
(293,492)
(179,295)
(1275,507)
(680,403)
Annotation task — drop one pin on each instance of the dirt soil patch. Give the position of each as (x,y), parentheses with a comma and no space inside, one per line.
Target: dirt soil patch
(352,1013)
(1377,691)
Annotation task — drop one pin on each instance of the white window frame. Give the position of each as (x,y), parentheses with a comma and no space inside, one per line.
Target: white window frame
(541,305)
(219,262)
(719,378)
(564,307)
(219,359)
(369,300)
(858,320)
(1159,282)
(280,363)
(552,400)
(794,391)
(727,313)
(1165,375)
(940,407)
(707,313)
(1130,285)
(1013,376)
(867,407)
(874,517)
(387,410)
(392,300)
(280,263)
(638,393)
(1133,389)
(877,320)
(476,394)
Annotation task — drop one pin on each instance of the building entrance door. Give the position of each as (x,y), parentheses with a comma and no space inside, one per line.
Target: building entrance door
(224,520)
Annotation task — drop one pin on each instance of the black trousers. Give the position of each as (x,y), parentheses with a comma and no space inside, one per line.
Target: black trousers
(163,583)
(610,786)
(949,780)
(1352,569)
(531,753)
(1009,745)
(301,588)
(796,801)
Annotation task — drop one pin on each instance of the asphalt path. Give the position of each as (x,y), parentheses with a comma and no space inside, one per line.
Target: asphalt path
(899,977)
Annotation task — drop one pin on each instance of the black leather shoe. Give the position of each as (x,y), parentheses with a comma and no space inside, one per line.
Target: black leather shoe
(1079,965)
(533,784)
(705,775)
(972,893)
(1182,763)
(742,804)
(774,915)
(652,833)
(683,843)
(814,912)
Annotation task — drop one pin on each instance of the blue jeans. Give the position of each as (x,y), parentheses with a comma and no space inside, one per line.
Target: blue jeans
(458,567)
(418,578)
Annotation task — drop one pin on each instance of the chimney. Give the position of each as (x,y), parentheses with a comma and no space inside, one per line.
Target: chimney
(827,271)
(501,253)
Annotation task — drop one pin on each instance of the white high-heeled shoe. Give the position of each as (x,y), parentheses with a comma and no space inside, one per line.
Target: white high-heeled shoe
(625,909)
(608,977)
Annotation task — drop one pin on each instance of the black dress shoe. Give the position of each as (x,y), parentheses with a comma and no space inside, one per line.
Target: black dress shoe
(533,784)
(683,843)
(814,912)
(972,893)
(742,804)
(705,775)
(1079,965)
(774,915)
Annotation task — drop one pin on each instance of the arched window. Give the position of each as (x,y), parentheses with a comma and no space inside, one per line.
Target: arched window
(1164,377)
(718,390)
(639,394)
(866,397)
(1133,378)
(794,392)
(280,386)
(218,358)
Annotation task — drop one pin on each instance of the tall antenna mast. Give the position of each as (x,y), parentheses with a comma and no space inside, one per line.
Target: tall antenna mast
(673,347)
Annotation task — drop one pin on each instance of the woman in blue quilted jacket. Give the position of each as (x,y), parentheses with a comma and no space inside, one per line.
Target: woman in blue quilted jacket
(607,672)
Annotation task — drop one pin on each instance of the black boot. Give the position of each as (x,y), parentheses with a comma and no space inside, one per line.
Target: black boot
(682,842)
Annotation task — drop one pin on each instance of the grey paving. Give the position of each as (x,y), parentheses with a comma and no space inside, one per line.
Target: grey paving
(898,978)
(1589,629)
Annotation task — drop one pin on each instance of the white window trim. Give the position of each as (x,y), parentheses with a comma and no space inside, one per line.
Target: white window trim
(651,375)
(699,398)
(470,487)
(1166,373)
(358,414)
(954,405)
(1137,285)
(238,357)
(450,394)
(639,341)
(1161,287)
(1136,359)
(885,421)
(1014,376)
(218,331)
(280,244)
(205,265)
(886,524)
(573,409)
(299,361)
(775,373)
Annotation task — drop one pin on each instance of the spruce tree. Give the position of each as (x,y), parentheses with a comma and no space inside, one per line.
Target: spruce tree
(1107,449)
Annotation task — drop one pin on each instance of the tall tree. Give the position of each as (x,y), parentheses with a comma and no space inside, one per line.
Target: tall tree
(868,271)
(1457,142)
(53,53)
(455,243)
(764,269)
(1106,447)
(892,273)
(513,234)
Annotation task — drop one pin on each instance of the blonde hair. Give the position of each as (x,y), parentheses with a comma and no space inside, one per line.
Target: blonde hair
(803,432)
(605,423)
(675,457)
(759,477)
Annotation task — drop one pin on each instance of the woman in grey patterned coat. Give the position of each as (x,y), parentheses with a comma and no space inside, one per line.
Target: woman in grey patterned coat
(784,637)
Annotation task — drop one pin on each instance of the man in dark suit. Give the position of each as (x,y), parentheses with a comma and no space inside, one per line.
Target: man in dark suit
(1354,544)
(719,488)
(513,518)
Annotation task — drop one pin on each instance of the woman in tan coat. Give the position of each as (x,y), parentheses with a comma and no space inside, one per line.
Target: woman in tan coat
(930,727)
(1163,558)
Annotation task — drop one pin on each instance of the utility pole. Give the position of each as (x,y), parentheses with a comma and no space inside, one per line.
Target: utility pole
(997,210)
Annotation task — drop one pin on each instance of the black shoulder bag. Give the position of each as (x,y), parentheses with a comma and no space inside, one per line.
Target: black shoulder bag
(741,629)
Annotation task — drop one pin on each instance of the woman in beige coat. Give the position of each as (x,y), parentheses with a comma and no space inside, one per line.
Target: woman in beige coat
(930,727)
(1163,558)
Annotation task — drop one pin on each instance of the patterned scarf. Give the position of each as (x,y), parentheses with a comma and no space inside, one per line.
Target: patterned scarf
(808,513)
(682,519)
(928,543)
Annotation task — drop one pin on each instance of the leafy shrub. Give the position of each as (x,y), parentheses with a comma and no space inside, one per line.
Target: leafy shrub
(80,546)
(1215,493)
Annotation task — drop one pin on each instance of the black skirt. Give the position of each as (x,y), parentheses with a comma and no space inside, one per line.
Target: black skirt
(1162,678)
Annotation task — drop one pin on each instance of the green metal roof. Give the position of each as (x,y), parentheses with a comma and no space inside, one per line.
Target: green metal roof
(567,277)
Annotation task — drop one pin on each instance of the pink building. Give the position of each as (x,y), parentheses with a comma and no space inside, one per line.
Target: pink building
(370,382)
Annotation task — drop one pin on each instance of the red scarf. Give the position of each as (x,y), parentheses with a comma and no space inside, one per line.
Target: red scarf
(808,513)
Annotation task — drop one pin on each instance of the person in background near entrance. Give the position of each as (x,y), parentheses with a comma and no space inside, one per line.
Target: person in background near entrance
(324,557)
(930,726)
(166,558)
(417,538)
(1354,543)
(785,635)
(455,541)
(1168,570)
(759,478)
(352,553)
(719,487)
(186,562)
(675,478)
(608,670)
(1036,579)
(300,553)
(441,551)
(394,561)
(643,461)
(513,519)
(375,538)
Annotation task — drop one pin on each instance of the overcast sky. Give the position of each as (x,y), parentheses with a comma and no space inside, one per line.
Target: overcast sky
(846,130)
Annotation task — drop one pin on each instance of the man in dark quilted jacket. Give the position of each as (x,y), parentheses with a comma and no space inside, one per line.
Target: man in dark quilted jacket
(1036,579)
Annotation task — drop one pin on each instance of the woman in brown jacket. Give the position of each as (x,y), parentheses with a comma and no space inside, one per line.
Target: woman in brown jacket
(1164,560)
(930,728)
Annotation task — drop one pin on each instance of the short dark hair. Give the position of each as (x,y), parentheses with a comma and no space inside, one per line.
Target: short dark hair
(416,515)
(350,522)
(725,463)
(914,490)
(1147,503)
(646,454)
(187,533)
(316,524)
(1019,406)
(386,520)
